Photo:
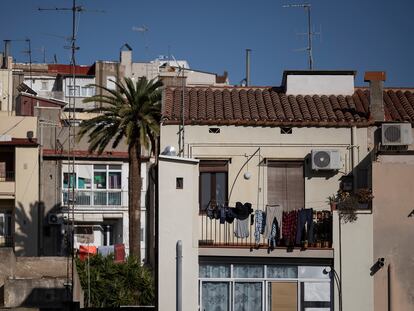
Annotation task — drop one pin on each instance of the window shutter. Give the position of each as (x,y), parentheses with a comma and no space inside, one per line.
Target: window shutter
(285,185)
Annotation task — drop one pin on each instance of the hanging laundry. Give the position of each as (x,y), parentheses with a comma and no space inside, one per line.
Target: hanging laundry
(274,235)
(273,212)
(289,223)
(259,225)
(305,217)
(241,228)
(242,211)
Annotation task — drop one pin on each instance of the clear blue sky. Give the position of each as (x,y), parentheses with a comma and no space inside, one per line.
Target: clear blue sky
(212,35)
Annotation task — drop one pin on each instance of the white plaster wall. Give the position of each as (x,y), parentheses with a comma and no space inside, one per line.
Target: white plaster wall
(320,84)
(6,90)
(353,248)
(178,220)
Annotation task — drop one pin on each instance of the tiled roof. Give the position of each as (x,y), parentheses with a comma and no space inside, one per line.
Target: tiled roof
(268,106)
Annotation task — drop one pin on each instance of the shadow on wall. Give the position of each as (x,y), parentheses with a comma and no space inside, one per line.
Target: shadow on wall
(47,298)
(33,235)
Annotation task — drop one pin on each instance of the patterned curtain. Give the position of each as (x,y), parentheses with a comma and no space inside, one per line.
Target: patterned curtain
(248,297)
(215,296)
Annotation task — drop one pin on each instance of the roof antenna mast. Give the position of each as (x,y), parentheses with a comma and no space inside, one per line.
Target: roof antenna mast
(310,33)
(71,140)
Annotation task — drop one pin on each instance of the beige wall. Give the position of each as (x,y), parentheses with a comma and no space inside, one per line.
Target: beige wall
(26,202)
(178,220)
(6,90)
(394,231)
(238,143)
(17,127)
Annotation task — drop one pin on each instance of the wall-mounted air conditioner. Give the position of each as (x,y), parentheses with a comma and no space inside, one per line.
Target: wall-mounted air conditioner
(396,134)
(54,219)
(324,159)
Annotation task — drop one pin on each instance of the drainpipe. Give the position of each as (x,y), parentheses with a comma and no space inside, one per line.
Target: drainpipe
(354,157)
(179,276)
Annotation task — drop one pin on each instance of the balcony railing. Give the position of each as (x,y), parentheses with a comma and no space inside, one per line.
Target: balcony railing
(216,234)
(7,176)
(6,241)
(93,198)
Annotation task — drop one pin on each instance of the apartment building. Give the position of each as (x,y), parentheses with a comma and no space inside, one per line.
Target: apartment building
(292,147)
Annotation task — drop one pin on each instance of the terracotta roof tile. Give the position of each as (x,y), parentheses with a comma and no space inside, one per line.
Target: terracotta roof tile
(271,107)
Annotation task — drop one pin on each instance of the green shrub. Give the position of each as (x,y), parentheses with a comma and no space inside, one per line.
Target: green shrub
(114,284)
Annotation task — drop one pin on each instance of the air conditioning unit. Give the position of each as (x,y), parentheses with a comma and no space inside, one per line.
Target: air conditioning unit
(54,219)
(323,159)
(396,134)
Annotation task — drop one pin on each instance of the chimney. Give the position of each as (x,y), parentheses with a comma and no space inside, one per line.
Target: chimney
(376,87)
(6,54)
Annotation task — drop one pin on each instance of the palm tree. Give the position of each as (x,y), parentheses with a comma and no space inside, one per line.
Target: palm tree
(131,112)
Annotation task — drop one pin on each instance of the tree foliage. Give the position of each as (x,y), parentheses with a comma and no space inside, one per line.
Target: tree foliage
(114,284)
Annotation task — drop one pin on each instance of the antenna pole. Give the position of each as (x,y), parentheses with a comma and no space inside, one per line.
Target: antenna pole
(308,10)
(310,33)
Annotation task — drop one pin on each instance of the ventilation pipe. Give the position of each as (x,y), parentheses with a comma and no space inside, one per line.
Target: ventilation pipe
(376,87)
(6,53)
(179,276)
(248,67)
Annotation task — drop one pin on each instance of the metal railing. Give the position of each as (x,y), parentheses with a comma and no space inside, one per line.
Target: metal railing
(214,233)
(93,198)
(7,176)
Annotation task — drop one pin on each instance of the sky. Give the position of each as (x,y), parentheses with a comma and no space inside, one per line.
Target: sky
(212,35)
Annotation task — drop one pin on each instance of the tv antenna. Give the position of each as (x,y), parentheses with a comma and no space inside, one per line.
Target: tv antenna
(310,33)
(181,128)
(69,232)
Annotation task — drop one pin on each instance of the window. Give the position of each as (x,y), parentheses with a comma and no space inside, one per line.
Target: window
(286,184)
(98,184)
(260,287)
(213,183)
(73,91)
(110,82)
(44,85)
(87,91)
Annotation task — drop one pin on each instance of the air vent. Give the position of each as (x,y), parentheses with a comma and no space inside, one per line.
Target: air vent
(326,160)
(396,134)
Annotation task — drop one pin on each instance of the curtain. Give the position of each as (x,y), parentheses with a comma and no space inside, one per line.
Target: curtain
(214,271)
(248,297)
(215,296)
(248,271)
(282,272)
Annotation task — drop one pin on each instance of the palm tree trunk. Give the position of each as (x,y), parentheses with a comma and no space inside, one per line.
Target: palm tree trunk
(134,198)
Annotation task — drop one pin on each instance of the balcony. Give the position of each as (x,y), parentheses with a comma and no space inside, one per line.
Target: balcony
(93,198)
(214,234)
(7,184)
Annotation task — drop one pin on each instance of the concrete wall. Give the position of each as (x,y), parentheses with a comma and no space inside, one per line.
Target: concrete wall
(320,84)
(26,202)
(177,220)
(17,127)
(393,231)
(6,90)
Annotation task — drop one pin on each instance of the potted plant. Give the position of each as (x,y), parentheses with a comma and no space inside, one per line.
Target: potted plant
(364,197)
(332,201)
(347,206)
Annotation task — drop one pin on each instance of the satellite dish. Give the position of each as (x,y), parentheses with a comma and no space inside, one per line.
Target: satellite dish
(169,151)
